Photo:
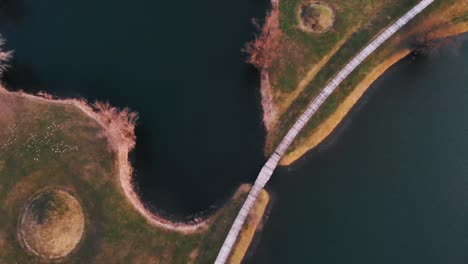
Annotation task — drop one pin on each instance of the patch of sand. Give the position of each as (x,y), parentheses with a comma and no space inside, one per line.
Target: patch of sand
(2,240)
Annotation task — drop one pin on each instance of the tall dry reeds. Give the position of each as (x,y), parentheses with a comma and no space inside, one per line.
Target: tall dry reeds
(5,56)
(119,121)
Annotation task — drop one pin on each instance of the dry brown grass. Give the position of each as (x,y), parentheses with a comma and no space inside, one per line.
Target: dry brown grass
(261,50)
(438,28)
(115,231)
(252,225)
(52,224)
(327,126)
(284,100)
(307,73)
(286,56)
(193,256)
(315,17)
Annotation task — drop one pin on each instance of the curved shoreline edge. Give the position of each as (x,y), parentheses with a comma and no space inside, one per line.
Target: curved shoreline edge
(121,142)
(312,107)
(326,128)
(265,47)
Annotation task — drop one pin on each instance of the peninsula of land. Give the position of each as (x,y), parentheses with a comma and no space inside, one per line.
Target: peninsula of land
(66,161)
(296,61)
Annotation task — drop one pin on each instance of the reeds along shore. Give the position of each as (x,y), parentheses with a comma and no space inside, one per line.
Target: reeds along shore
(119,127)
(265,47)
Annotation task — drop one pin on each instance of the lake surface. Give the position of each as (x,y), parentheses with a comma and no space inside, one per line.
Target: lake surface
(178,63)
(390,186)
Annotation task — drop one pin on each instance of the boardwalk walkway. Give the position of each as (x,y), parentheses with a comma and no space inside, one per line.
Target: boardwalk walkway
(272,162)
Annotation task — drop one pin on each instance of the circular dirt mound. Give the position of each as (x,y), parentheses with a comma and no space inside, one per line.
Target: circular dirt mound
(52,224)
(315,17)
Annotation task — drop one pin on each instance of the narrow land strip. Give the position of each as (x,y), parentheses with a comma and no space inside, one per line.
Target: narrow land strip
(274,159)
(253,225)
(328,126)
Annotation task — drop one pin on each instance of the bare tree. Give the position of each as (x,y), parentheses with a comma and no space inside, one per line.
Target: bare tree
(5,56)
(430,43)
(118,120)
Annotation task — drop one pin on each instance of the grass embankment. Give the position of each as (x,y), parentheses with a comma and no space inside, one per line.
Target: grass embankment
(252,224)
(45,144)
(301,54)
(357,22)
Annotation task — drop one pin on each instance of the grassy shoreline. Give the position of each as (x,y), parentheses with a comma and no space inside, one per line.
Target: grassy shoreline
(326,128)
(55,143)
(250,228)
(331,51)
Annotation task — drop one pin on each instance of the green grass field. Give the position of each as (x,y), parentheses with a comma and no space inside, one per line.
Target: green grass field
(46,144)
(356,28)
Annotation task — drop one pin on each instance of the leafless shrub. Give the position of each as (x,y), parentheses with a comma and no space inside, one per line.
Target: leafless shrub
(45,95)
(118,120)
(430,43)
(261,49)
(5,56)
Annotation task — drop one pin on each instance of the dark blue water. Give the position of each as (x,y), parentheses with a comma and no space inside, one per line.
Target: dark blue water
(391,186)
(178,63)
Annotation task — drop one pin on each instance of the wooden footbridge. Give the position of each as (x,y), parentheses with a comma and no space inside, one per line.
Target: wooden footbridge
(272,162)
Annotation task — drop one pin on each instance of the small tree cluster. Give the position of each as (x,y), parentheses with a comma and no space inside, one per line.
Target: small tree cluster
(5,56)
(121,121)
